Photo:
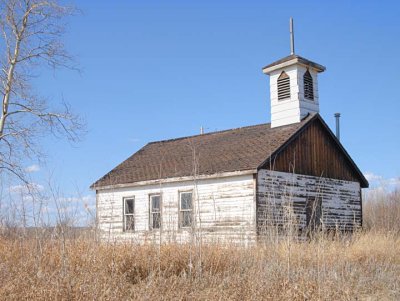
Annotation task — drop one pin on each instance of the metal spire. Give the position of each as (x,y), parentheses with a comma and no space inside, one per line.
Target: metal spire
(291,37)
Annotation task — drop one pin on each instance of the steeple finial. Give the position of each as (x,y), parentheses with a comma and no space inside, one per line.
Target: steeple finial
(291,37)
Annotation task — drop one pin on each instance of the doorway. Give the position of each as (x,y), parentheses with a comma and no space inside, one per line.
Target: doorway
(313,213)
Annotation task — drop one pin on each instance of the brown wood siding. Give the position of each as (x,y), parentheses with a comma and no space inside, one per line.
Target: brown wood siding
(282,201)
(314,152)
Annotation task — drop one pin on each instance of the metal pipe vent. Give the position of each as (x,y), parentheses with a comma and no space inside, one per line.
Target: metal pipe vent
(337,117)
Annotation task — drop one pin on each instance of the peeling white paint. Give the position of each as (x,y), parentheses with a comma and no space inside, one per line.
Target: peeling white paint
(227,211)
(341,200)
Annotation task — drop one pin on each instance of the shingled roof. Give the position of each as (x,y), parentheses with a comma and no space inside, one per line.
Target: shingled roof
(294,58)
(224,151)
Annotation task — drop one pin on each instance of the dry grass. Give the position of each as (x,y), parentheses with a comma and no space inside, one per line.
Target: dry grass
(365,266)
(382,211)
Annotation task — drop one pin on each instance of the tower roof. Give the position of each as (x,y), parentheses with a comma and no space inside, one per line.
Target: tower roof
(291,60)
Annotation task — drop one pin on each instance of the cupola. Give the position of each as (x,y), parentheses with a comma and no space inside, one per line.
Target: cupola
(293,87)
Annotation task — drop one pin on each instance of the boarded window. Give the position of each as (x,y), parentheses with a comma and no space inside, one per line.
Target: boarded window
(155,211)
(313,213)
(129,214)
(283,86)
(185,209)
(308,86)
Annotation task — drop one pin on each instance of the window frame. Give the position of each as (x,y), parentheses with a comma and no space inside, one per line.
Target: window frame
(151,212)
(282,84)
(125,199)
(309,82)
(180,210)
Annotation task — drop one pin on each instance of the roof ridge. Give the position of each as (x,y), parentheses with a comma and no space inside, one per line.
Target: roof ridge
(207,134)
(235,149)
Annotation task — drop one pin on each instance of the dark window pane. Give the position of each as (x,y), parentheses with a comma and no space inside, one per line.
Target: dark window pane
(155,203)
(129,222)
(186,201)
(186,219)
(129,207)
(308,86)
(156,220)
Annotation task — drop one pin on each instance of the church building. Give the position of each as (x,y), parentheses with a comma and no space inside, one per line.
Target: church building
(237,185)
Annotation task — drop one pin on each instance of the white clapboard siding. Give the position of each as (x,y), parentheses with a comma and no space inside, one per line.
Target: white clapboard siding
(278,191)
(296,107)
(224,210)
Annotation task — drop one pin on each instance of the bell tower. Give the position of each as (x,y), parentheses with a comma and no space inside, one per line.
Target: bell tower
(293,87)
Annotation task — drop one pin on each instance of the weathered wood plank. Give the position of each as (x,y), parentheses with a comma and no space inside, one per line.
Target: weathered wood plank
(314,152)
(225,208)
(281,198)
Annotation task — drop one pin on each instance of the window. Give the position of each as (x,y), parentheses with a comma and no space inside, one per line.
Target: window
(129,214)
(308,86)
(313,213)
(155,211)
(283,86)
(185,209)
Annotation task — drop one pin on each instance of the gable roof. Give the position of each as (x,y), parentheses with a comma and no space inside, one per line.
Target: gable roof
(233,150)
(225,151)
(315,150)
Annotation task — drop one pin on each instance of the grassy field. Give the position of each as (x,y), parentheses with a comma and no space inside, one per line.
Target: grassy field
(364,266)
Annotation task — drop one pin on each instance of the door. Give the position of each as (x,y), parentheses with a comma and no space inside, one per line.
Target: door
(313,213)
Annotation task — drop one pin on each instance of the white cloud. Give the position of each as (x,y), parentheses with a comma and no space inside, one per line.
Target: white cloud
(79,210)
(394,181)
(32,168)
(371,177)
(380,183)
(84,200)
(27,188)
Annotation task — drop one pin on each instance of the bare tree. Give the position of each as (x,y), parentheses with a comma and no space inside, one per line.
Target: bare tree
(31,34)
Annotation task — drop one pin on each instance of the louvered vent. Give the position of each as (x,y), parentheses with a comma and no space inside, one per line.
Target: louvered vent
(308,86)
(283,86)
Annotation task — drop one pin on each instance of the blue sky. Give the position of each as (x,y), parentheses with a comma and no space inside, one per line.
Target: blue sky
(155,70)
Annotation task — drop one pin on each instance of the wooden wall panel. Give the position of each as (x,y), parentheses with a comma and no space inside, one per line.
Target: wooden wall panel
(281,198)
(314,152)
(224,210)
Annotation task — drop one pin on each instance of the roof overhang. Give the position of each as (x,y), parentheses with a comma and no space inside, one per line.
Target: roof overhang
(363,181)
(177,179)
(292,60)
